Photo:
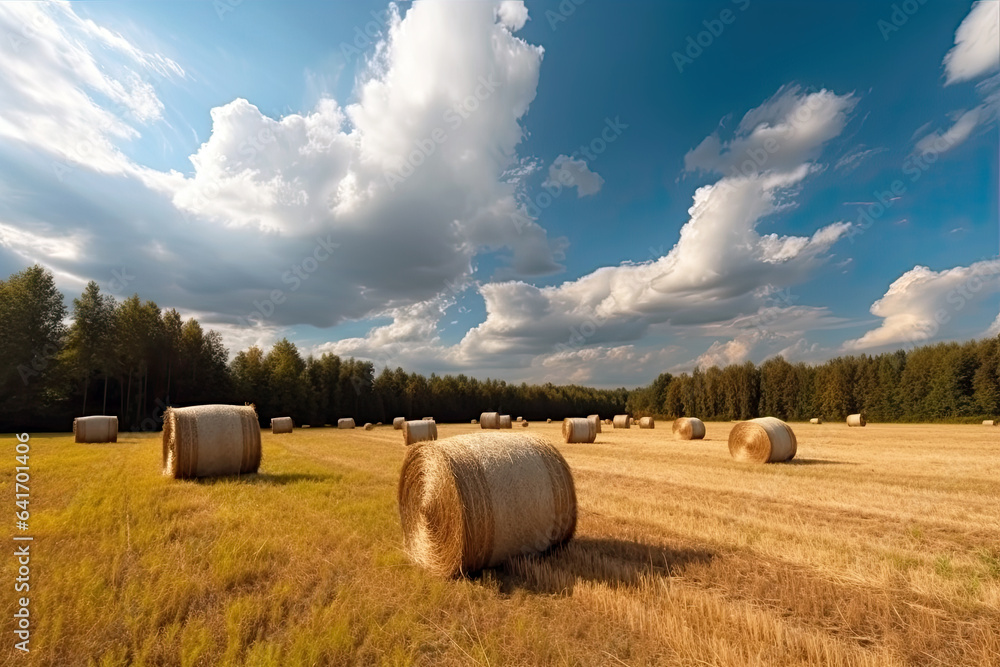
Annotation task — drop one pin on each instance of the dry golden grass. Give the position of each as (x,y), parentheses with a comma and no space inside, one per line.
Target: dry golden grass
(875,546)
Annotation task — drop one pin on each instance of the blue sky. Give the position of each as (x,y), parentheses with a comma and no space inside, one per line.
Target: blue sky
(233,159)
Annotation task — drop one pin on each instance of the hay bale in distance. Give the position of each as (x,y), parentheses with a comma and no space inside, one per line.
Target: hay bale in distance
(282,425)
(764,440)
(378,423)
(578,429)
(524,424)
(397,423)
(419,431)
(815,420)
(520,419)
(210,441)
(489,420)
(647,422)
(345,422)
(428,419)
(369,426)
(596,421)
(549,420)
(505,421)
(688,428)
(460,512)
(95,428)
(989,422)
(856,420)
(621,421)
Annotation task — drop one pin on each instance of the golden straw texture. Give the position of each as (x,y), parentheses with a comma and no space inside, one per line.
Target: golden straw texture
(764,440)
(688,428)
(579,429)
(418,431)
(210,441)
(96,428)
(473,501)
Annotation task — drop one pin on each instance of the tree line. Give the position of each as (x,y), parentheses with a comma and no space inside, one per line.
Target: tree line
(132,359)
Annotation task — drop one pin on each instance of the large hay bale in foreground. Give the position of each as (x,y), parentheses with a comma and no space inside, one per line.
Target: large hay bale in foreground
(815,420)
(418,431)
(578,429)
(856,420)
(688,428)
(397,422)
(764,440)
(473,501)
(282,425)
(210,441)
(647,422)
(95,428)
(986,422)
(369,426)
(622,421)
(505,421)
(489,420)
(596,421)
(346,422)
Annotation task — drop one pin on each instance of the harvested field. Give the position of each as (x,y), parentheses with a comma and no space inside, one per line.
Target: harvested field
(875,546)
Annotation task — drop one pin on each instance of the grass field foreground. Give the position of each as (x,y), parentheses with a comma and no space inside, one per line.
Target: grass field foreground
(875,546)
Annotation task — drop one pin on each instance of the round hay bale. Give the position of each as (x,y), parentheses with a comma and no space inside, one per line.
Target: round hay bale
(346,422)
(96,428)
(418,431)
(474,421)
(608,422)
(505,421)
(524,424)
(596,421)
(688,428)
(210,441)
(473,501)
(489,420)
(986,422)
(856,420)
(647,422)
(549,420)
(282,425)
(520,419)
(397,423)
(428,419)
(815,420)
(578,429)
(369,426)
(378,423)
(764,440)
(621,421)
